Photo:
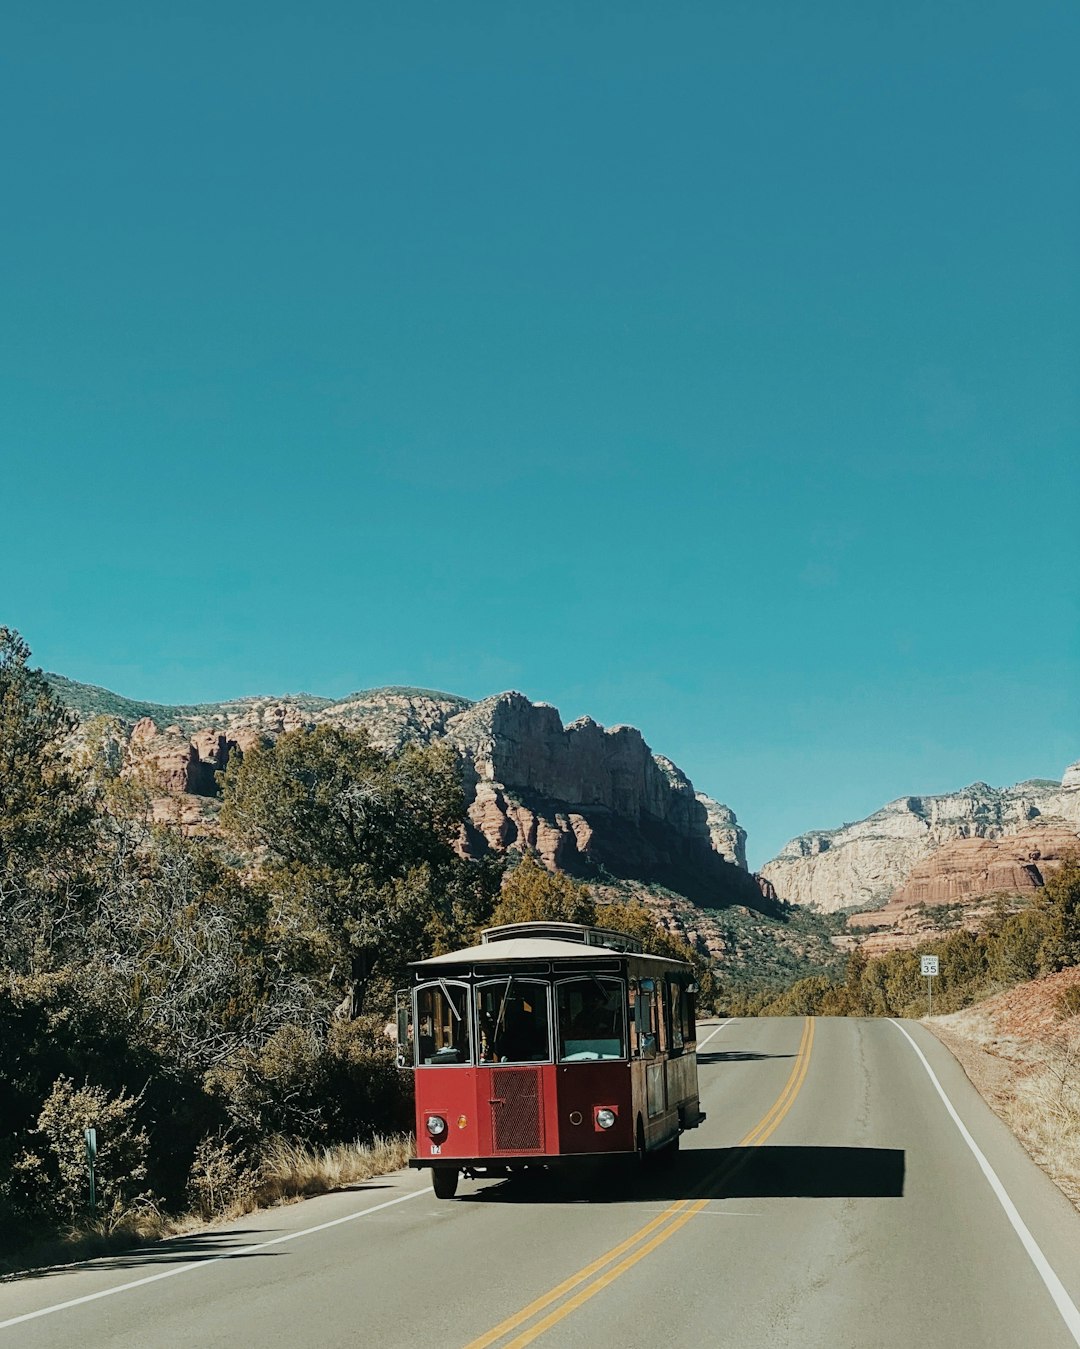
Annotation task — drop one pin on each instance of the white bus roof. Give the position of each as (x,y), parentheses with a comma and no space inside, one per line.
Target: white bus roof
(533,948)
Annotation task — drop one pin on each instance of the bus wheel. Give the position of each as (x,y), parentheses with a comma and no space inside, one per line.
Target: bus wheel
(444,1181)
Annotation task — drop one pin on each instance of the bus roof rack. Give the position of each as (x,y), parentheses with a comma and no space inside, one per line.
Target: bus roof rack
(579,932)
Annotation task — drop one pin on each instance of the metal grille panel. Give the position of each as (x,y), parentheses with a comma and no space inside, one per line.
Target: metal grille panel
(517,1114)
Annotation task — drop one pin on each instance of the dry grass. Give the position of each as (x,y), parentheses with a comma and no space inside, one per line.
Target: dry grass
(294,1171)
(286,1172)
(1045,1112)
(1025,1062)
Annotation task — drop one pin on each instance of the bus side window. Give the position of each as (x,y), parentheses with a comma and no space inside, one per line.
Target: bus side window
(674,1014)
(687,1011)
(645,1018)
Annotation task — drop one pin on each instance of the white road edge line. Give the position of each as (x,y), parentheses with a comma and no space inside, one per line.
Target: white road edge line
(211,1260)
(1054,1286)
(714,1032)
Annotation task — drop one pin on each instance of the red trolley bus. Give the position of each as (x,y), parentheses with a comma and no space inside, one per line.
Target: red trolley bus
(549,1042)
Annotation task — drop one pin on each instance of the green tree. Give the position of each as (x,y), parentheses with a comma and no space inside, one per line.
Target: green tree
(1061,903)
(531,893)
(807,997)
(1014,945)
(358,846)
(46,813)
(857,998)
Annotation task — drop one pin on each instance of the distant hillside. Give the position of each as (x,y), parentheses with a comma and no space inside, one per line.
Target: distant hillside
(91,701)
(891,854)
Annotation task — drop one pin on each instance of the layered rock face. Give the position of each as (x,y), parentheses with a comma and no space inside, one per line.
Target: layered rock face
(589,799)
(867,863)
(586,799)
(966,870)
(728,836)
(171,761)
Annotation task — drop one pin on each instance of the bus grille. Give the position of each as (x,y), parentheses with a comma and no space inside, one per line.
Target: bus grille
(517,1119)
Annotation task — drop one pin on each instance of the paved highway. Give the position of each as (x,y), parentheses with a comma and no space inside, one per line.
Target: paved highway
(837,1196)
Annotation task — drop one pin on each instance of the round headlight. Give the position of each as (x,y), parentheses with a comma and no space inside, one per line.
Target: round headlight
(435,1125)
(605,1118)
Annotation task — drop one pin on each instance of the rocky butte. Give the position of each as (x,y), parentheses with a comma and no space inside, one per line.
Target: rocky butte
(934,850)
(590,800)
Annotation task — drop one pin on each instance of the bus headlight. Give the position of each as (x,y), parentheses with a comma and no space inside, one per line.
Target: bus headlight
(435,1125)
(604,1117)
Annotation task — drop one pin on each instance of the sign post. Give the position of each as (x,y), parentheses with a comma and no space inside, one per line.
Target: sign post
(929,969)
(91,1156)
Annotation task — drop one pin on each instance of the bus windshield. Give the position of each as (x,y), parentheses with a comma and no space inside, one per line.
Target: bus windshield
(513,1020)
(442,1024)
(591,1020)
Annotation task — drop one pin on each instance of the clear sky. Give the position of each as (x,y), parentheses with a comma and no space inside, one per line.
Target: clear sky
(706,366)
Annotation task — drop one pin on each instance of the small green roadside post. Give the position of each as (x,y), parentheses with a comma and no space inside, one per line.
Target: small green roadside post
(91,1156)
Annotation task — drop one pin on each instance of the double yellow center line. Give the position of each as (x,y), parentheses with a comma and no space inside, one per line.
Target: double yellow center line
(653,1234)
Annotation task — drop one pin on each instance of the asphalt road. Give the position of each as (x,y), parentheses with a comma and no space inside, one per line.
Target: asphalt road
(831,1199)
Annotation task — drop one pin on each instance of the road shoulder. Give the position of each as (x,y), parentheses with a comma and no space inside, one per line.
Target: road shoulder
(1028,1081)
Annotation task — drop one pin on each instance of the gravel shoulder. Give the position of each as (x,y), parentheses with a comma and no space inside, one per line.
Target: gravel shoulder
(1021,1051)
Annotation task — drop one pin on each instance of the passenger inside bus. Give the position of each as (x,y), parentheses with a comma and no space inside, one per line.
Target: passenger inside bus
(513,1023)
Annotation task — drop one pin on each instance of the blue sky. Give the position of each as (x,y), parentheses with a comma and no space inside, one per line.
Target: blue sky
(709,367)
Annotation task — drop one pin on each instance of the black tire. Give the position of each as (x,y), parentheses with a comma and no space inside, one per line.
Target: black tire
(444,1181)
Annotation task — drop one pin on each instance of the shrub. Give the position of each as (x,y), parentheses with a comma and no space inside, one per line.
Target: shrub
(56,1174)
(1069,1002)
(220,1180)
(1061,900)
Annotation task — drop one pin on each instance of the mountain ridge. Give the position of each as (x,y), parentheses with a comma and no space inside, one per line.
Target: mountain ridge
(864,863)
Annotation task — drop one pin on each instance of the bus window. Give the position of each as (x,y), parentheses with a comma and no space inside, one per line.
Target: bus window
(675,997)
(513,1018)
(442,1024)
(686,1007)
(646,1019)
(590,1019)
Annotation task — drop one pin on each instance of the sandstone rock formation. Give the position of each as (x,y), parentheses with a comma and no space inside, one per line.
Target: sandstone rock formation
(968,875)
(728,836)
(966,869)
(172,762)
(590,799)
(586,799)
(865,864)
